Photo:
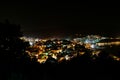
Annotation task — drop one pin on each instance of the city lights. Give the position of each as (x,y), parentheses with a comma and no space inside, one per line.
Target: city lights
(66,49)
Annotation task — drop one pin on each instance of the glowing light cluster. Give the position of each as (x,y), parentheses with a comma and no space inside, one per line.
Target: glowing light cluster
(66,49)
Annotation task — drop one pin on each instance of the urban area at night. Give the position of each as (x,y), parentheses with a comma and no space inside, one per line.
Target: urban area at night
(68,48)
(59,40)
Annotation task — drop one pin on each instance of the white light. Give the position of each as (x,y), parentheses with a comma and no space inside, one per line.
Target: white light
(31,43)
(86,41)
(36,40)
(92,46)
(67,57)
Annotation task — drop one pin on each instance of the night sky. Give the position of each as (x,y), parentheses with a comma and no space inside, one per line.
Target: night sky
(62,18)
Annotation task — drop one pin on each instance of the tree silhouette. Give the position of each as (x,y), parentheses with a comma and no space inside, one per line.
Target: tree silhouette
(12,48)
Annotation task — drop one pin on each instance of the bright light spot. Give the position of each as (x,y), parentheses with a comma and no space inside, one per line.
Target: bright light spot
(67,57)
(86,41)
(92,46)
(36,40)
(54,56)
(31,43)
(46,53)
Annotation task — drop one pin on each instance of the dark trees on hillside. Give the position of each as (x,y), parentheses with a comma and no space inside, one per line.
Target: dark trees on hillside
(12,48)
(13,58)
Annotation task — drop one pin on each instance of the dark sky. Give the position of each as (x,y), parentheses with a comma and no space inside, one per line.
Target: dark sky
(61,18)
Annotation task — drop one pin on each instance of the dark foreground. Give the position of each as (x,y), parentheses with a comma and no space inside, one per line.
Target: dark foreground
(72,71)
